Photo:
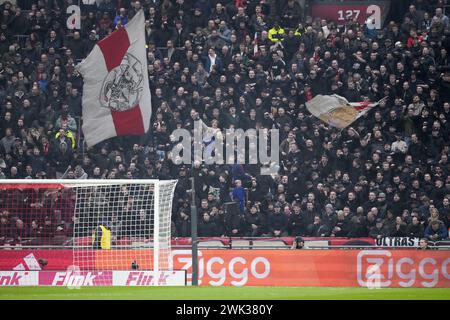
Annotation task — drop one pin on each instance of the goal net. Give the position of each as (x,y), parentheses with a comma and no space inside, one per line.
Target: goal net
(110,224)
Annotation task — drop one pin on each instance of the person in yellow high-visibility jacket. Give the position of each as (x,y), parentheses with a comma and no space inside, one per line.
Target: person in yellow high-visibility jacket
(101,237)
(276,33)
(299,31)
(66,134)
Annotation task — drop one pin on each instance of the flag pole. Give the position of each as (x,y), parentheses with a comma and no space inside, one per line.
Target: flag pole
(194,244)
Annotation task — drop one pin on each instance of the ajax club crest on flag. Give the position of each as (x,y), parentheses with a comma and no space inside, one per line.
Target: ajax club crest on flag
(122,88)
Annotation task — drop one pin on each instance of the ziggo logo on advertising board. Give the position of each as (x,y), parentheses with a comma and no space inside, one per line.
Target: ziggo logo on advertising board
(218,271)
(379,268)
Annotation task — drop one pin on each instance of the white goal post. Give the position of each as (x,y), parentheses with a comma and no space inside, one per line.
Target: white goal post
(116,225)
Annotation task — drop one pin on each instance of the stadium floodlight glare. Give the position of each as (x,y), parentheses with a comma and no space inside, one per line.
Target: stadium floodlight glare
(117,224)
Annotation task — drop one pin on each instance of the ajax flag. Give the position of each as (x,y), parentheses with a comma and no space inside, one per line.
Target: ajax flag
(336,110)
(116,94)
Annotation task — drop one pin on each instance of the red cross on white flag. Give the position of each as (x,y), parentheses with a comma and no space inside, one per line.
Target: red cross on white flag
(116,94)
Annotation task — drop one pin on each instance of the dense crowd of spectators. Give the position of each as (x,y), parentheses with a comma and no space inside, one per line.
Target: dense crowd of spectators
(245,64)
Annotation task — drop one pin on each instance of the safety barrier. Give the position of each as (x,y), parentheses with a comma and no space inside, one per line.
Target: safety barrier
(336,268)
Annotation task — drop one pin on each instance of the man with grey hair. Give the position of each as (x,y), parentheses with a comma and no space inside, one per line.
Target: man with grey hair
(329,216)
(440,19)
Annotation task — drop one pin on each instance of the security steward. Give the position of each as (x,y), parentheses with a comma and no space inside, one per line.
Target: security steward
(101,237)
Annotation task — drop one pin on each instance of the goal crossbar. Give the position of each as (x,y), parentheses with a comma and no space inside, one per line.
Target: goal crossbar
(85,181)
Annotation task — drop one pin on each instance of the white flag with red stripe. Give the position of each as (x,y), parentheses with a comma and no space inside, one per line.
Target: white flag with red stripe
(337,111)
(116,92)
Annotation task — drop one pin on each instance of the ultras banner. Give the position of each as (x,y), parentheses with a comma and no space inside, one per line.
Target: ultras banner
(336,268)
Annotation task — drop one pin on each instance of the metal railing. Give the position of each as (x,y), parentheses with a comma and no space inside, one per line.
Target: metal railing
(253,245)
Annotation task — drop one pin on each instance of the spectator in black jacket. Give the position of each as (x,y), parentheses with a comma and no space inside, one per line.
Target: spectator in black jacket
(207,228)
(318,229)
(415,228)
(399,228)
(377,231)
(76,45)
(254,221)
(242,86)
(277,223)
(342,226)
(357,228)
(297,225)
(183,225)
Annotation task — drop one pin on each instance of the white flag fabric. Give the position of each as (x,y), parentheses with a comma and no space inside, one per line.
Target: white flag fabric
(336,110)
(116,93)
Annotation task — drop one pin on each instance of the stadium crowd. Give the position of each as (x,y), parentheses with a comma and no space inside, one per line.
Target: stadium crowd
(244,64)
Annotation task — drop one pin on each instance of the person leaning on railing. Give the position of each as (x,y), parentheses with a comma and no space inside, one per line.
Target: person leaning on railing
(436,231)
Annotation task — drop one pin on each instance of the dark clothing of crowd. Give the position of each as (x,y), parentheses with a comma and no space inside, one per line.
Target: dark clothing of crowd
(243,67)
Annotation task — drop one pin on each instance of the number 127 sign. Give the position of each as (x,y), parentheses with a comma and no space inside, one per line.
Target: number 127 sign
(372,15)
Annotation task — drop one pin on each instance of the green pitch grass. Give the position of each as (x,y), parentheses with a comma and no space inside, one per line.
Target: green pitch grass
(220,293)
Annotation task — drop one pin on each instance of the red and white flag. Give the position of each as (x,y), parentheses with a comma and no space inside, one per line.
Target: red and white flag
(337,111)
(116,92)
(255,44)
